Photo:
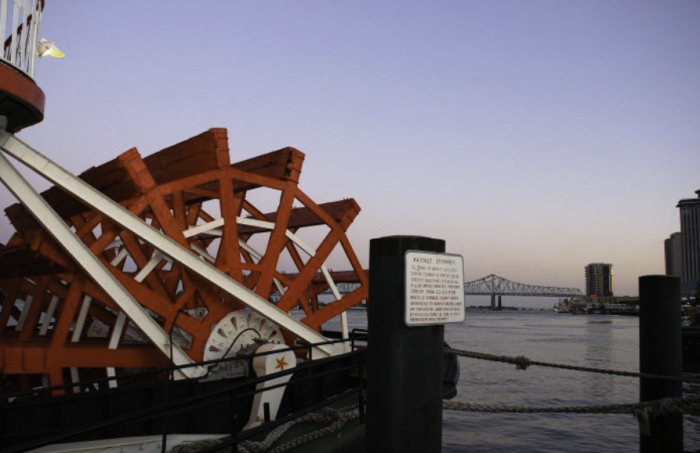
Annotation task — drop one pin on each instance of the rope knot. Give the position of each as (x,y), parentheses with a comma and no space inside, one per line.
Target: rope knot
(522,362)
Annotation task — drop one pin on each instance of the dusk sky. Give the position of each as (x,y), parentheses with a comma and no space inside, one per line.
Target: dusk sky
(535,137)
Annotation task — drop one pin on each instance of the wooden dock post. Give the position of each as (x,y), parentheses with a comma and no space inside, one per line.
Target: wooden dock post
(404,364)
(660,354)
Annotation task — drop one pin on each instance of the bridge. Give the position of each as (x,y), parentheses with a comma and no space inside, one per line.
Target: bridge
(493,285)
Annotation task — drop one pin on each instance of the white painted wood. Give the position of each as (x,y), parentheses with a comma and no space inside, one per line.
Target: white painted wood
(75,378)
(80,322)
(82,255)
(49,315)
(115,212)
(143,273)
(117,331)
(204,228)
(25,311)
(3,24)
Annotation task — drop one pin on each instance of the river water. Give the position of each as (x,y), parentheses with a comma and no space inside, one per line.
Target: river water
(598,341)
(608,342)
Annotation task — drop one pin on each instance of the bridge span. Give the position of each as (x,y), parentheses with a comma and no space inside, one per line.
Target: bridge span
(493,285)
(496,287)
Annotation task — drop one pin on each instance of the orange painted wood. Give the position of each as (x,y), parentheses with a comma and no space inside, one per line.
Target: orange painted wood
(204,152)
(172,190)
(21,99)
(66,313)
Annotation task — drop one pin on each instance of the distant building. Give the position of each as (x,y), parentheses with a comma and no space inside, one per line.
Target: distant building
(673,254)
(690,233)
(600,280)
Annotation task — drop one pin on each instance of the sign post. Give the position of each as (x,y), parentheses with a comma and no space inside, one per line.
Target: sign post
(415,288)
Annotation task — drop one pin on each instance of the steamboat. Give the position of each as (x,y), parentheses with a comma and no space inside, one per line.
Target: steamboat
(157,301)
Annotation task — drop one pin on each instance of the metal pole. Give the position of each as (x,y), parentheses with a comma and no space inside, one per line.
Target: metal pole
(404,364)
(660,354)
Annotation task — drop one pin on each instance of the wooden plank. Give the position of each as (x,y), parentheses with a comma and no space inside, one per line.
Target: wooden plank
(283,164)
(204,152)
(109,178)
(349,276)
(21,261)
(201,153)
(21,99)
(40,357)
(342,211)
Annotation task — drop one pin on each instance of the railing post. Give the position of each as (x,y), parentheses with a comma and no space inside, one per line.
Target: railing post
(404,364)
(660,354)
(3,25)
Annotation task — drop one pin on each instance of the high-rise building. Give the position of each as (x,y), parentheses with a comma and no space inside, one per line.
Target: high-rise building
(690,233)
(600,280)
(673,254)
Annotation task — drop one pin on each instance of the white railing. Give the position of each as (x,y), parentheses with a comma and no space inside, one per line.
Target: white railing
(19,31)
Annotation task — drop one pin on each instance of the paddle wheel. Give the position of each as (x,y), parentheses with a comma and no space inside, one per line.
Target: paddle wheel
(181,265)
(172,257)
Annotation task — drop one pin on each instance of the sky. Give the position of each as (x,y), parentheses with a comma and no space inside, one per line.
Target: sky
(533,137)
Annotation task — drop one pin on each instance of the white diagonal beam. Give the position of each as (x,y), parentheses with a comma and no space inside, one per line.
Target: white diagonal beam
(82,255)
(96,200)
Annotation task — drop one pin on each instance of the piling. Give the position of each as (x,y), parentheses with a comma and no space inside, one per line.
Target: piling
(660,354)
(404,364)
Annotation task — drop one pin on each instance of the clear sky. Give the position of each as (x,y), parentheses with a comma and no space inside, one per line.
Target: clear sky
(535,137)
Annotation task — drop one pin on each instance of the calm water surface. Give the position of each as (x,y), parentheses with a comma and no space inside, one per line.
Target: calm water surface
(599,341)
(609,342)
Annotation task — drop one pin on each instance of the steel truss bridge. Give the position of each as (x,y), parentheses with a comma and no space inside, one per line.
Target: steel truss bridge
(493,285)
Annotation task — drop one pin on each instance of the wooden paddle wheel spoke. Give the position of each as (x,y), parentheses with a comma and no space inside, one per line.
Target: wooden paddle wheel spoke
(192,246)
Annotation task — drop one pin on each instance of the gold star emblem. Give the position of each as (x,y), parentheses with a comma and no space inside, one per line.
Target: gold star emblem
(281,364)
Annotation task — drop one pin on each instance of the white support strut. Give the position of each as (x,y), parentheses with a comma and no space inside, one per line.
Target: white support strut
(51,221)
(118,214)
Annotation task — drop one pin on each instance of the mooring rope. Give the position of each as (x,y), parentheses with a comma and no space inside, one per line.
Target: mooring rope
(341,418)
(335,419)
(661,407)
(643,411)
(522,363)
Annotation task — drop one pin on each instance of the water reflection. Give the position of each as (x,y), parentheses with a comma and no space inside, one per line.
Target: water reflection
(599,345)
